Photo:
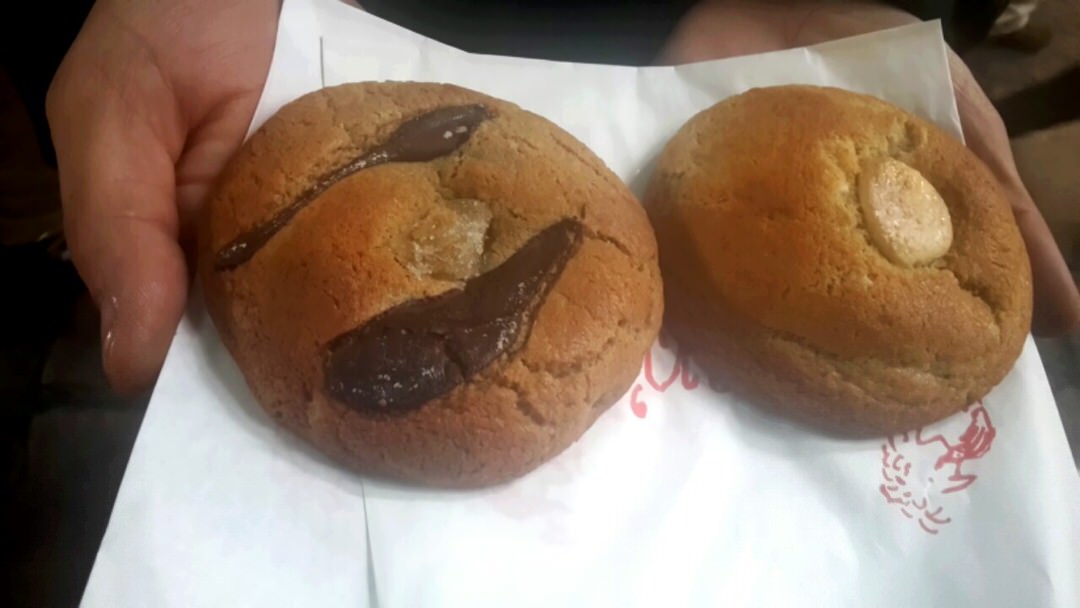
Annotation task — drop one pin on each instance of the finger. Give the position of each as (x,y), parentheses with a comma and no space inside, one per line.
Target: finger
(207,150)
(1057,300)
(115,149)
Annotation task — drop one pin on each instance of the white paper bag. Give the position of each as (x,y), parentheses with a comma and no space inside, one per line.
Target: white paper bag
(678,496)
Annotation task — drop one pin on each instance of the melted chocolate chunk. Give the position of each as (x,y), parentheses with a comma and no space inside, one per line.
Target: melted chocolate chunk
(422,349)
(421,139)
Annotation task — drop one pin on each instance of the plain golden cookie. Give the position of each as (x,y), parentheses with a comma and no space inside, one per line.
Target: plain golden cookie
(428,283)
(833,257)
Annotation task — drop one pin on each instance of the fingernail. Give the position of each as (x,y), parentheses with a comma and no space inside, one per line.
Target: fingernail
(108,316)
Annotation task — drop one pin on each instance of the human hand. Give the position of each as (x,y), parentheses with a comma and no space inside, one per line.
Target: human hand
(717,29)
(148,105)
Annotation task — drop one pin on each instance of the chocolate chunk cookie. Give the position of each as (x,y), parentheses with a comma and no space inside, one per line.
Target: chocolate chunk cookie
(428,283)
(836,258)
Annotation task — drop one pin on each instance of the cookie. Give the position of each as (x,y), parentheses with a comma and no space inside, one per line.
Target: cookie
(837,259)
(428,283)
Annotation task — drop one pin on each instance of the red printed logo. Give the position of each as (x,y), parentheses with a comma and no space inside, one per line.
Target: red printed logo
(663,367)
(920,473)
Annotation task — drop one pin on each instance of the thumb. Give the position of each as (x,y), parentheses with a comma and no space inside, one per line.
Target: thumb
(116,162)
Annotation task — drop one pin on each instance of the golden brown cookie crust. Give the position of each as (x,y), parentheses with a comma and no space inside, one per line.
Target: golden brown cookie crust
(774,285)
(346,257)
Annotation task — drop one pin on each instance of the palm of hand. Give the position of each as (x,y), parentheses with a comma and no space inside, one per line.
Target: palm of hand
(150,102)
